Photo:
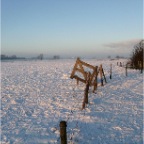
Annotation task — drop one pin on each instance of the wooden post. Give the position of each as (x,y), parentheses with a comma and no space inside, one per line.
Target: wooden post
(126,69)
(110,71)
(85,100)
(95,80)
(86,94)
(100,69)
(102,82)
(87,88)
(63,134)
(104,75)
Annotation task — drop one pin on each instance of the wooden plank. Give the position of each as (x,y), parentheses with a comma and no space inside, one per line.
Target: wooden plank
(83,72)
(74,69)
(63,132)
(79,70)
(86,64)
(104,75)
(93,74)
(80,79)
(100,70)
(95,80)
(93,77)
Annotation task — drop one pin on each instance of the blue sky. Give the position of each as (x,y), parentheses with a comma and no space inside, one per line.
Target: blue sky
(70,28)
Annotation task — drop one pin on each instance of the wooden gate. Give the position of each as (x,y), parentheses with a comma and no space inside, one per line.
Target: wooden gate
(79,67)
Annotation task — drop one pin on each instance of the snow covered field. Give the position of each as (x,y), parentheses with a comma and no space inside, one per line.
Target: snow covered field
(37,95)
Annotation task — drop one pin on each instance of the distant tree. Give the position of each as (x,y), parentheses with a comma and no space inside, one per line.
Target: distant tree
(56,57)
(13,57)
(117,57)
(109,57)
(3,56)
(40,57)
(137,55)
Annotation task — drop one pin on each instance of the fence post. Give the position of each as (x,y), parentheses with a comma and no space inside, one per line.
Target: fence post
(87,88)
(101,75)
(85,100)
(63,134)
(104,75)
(110,71)
(126,69)
(95,81)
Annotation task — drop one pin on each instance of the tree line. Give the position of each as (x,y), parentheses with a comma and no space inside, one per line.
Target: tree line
(5,57)
(14,57)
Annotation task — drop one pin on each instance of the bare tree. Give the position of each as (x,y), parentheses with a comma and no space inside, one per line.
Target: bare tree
(137,55)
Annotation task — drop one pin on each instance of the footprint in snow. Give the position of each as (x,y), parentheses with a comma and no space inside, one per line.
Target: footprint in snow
(29,112)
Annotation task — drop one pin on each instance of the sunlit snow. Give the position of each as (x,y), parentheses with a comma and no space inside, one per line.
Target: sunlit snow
(37,95)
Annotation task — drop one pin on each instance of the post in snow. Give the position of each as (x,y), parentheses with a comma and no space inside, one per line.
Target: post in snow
(110,71)
(63,134)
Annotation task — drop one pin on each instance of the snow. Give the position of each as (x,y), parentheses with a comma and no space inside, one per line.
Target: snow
(37,95)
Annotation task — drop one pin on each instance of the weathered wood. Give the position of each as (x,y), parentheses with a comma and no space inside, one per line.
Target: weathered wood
(78,67)
(92,76)
(63,134)
(86,64)
(80,79)
(95,79)
(74,69)
(100,70)
(126,69)
(95,84)
(85,100)
(86,93)
(82,71)
(104,75)
(87,87)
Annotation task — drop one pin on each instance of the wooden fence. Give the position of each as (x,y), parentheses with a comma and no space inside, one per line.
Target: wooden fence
(79,68)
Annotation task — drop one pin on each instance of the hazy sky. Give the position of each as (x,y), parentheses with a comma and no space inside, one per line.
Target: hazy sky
(87,28)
